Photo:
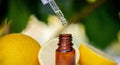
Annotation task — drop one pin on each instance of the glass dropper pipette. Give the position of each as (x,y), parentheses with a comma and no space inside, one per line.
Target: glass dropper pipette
(56,9)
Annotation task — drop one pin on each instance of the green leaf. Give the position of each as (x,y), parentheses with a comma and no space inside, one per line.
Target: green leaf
(101,26)
(3,10)
(38,9)
(66,7)
(79,4)
(18,14)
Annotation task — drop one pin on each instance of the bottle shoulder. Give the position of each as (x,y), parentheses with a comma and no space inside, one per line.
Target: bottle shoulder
(71,49)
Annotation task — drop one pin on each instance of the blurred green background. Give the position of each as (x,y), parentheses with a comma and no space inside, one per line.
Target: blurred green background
(101,18)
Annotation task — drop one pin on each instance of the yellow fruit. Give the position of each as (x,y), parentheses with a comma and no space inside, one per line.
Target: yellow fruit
(47,53)
(92,56)
(18,49)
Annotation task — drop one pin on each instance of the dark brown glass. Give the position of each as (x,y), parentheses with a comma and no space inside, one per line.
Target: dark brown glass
(65,54)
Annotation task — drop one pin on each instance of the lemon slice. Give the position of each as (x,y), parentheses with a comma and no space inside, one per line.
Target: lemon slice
(92,56)
(47,53)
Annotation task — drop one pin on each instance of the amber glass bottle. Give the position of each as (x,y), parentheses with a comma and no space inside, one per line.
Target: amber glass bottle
(65,54)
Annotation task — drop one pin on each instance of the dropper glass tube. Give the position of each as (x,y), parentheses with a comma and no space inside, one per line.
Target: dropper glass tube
(57,11)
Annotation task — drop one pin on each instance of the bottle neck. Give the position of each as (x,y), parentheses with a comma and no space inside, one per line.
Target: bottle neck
(65,43)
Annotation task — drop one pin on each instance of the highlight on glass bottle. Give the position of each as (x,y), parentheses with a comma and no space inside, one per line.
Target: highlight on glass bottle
(65,53)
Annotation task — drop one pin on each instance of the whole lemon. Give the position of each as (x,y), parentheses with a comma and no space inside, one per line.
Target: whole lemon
(18,49)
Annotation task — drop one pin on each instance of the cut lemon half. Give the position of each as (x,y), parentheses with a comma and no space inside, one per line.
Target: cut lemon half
(47,53)
(92,56)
